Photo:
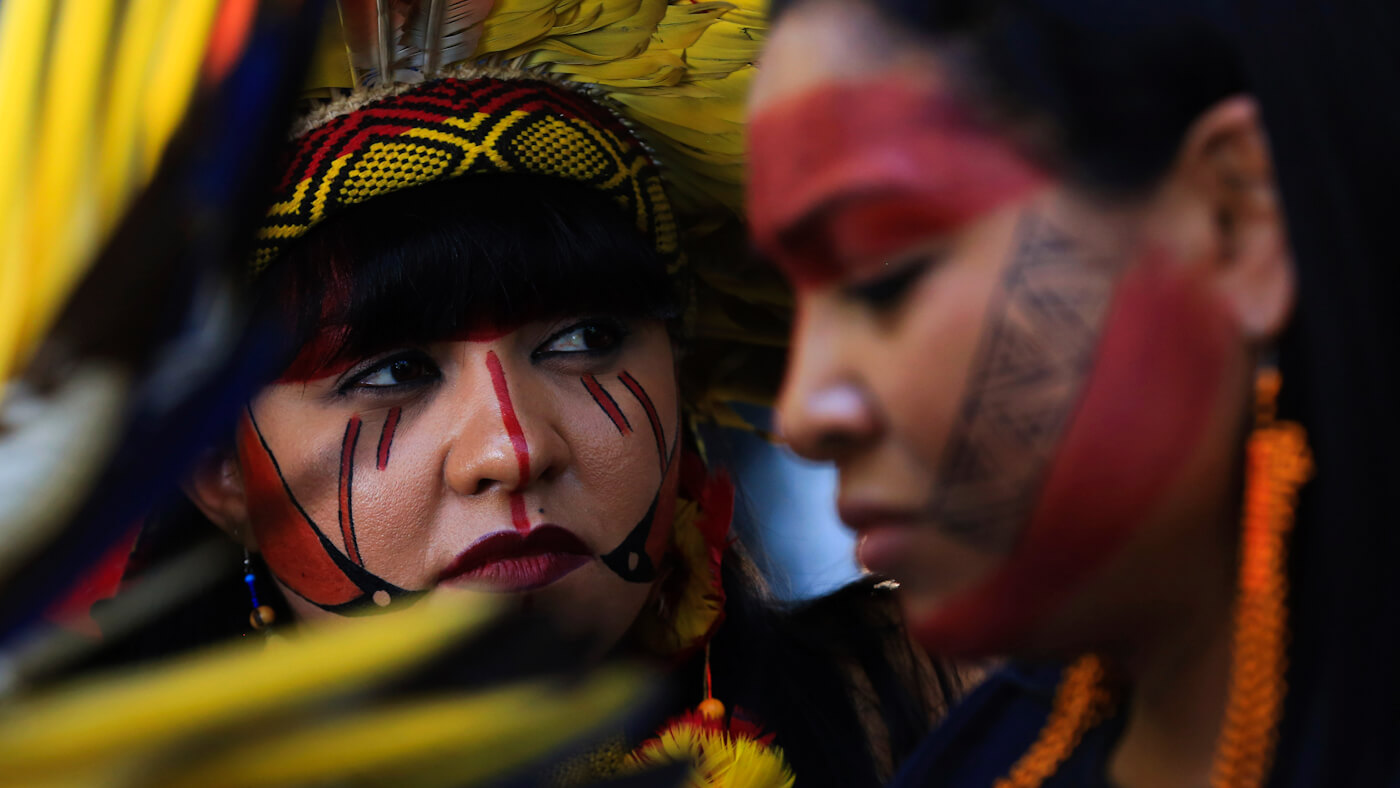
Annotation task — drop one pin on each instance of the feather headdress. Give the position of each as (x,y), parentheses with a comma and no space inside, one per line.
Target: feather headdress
(678,72)
(668,80)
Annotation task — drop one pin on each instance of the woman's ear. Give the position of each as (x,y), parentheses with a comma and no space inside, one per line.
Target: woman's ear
(216,487)
(1225,173)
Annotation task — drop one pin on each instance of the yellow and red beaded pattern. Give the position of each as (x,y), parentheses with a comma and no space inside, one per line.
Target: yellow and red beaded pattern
(1278,463)
(450,128)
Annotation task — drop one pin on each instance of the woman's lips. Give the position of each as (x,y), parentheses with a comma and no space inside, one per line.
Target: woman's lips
(884,534)
(508,561)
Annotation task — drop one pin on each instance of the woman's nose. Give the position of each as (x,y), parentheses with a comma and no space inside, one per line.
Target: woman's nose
(509,439)
(825,410)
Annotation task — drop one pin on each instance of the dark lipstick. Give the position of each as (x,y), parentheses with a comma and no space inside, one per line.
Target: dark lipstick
(508,561)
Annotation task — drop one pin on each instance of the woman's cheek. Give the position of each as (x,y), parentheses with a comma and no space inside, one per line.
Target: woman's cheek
(624,433)
(391,520)
(1156,378)
(287,537)
(926,376)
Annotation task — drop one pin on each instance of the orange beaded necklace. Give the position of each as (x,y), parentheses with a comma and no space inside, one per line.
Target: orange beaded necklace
(1278,462)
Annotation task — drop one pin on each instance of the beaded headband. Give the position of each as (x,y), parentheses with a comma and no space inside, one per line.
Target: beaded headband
(466,123)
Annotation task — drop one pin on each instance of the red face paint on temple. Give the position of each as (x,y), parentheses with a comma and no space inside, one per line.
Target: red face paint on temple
(844,175)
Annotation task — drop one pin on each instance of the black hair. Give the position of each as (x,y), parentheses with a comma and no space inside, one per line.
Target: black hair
(1119,84)
(421,264)
(837,680)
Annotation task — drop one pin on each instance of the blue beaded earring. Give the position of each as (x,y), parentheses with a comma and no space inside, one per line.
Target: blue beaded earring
(262,616)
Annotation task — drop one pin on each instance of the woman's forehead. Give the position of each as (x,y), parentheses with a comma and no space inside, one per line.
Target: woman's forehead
(824,41)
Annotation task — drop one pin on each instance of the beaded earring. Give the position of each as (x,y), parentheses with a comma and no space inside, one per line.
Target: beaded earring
(262,616)
(1277,463)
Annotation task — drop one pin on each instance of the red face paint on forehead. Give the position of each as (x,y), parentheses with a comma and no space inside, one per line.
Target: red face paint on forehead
(845,174)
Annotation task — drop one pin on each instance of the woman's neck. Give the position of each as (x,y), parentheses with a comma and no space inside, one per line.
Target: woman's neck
(1178,683)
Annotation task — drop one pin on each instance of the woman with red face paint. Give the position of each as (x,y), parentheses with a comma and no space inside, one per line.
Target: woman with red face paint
(1076,365)
(485,295)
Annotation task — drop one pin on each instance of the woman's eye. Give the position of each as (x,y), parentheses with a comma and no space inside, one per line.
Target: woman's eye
(888,290)
(396,372)
(591,337)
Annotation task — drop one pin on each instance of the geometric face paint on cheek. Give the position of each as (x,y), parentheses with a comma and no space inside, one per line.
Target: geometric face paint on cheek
(631,560)
(1036,350)
(1159,372)
(294,547)
(520,518)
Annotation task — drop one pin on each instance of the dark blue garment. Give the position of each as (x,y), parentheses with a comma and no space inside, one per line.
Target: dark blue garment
(994,726)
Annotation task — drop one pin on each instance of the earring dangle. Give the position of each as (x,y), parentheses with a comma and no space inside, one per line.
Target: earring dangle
(262,616)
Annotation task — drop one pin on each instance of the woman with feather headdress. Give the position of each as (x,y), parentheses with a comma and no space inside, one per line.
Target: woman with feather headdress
(506,284)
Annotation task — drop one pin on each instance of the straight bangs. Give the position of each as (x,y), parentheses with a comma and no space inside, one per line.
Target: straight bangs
(476,253)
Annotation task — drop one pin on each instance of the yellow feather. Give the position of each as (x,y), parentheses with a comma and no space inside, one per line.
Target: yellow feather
(23,31)
(721,760)
(448,741)
(100,717)
(685,24)
(175,71)
(62,226)
(120,170)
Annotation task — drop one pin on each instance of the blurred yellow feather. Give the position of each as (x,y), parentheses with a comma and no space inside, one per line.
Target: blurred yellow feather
(451,741)
(24,28)
(121,165)
(175,70)
(63,220)
(103,716)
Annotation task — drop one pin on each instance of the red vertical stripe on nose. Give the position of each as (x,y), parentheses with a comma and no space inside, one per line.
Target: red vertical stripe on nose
(519,518)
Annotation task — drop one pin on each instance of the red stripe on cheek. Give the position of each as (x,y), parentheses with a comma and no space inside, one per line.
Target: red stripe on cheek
(606,402)
(641,395)
(386,438)
(347,478)
(1159,372)
(519,517)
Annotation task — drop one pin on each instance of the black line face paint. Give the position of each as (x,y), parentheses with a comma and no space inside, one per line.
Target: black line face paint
(310,565)
(629,560)
(641,395)
(347,481)
(1035,352)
